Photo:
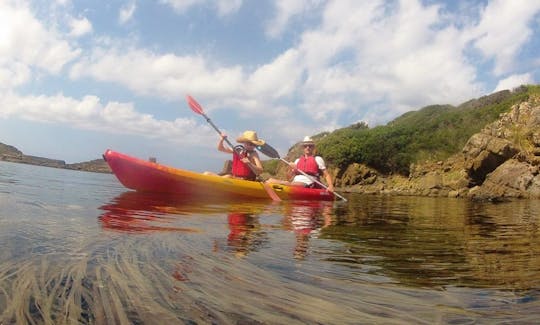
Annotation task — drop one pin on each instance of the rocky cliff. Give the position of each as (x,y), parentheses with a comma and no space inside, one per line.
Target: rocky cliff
(501,161)
(12,154)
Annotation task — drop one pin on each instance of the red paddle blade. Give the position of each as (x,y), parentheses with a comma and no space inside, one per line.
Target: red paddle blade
(196,107)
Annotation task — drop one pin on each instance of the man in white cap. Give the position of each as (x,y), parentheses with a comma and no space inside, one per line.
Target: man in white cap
(310,164)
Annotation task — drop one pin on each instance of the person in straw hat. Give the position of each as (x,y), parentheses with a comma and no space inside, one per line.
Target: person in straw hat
(310,164)
(246,163)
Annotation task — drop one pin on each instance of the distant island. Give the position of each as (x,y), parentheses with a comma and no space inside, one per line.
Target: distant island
(12,154)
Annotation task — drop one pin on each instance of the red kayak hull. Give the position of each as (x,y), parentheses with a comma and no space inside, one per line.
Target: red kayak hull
(146,176)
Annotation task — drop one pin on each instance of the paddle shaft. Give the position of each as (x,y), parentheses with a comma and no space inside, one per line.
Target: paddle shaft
(218,131)
(216,128)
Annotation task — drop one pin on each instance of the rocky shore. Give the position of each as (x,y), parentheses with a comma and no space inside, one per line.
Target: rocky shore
(12,154)
(502,161)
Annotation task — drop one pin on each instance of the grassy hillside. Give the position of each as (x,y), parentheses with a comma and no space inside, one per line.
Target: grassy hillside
(431,133)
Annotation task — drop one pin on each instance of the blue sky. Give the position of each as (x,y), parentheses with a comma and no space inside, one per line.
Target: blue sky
(78,77)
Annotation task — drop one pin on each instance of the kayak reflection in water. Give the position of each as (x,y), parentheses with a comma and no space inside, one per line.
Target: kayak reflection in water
(306,219)
(136,212)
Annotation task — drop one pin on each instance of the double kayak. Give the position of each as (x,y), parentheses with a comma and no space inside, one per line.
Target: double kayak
(147,176)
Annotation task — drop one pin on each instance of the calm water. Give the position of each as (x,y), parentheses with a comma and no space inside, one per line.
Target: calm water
(79,248)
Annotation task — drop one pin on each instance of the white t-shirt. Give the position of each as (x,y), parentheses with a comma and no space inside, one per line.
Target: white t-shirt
(303,179)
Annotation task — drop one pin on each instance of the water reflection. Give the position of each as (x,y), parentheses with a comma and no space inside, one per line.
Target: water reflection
(143,212)
(245,233)
(425,242)
(134,212)
(419,242)
(306,219)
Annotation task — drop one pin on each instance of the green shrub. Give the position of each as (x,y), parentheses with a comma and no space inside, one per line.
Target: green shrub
(431,133)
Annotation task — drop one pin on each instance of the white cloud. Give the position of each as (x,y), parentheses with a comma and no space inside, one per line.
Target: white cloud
(24,40)
(278,79)
(404,56)
(285,11)
(164,75)
(223,7)
(227,7)
(90,114)
(62,2)
(126,12)
(366,53)
(514,81)
(182,5)
(503,30)
(13,74)
(79,27)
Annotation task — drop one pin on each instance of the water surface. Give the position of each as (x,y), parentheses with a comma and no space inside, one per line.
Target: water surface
(77,247)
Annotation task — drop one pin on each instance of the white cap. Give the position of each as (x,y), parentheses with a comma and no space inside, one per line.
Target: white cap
(308,140)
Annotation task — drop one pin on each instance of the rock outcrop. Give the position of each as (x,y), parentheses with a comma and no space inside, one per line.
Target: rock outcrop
(95,166)
(9,153)
(502,161)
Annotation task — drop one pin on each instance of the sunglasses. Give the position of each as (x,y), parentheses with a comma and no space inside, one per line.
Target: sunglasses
(309,146)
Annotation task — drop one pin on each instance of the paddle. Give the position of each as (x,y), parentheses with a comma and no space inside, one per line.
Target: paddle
(197,108)
(269,151)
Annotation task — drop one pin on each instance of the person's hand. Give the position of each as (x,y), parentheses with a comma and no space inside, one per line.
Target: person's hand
(331,188)
(223,136)
(245,160)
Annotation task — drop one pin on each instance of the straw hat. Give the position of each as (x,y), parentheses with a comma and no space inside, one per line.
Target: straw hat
(308,140)
(250,136)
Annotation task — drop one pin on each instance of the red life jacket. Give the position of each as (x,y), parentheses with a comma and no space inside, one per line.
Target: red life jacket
(241,170)
(308,165)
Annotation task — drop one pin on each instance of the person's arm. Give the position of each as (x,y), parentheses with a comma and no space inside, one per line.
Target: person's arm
(292,165)
(326,174)
(221,146)
(329,180)
(254,162)
(292,171)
